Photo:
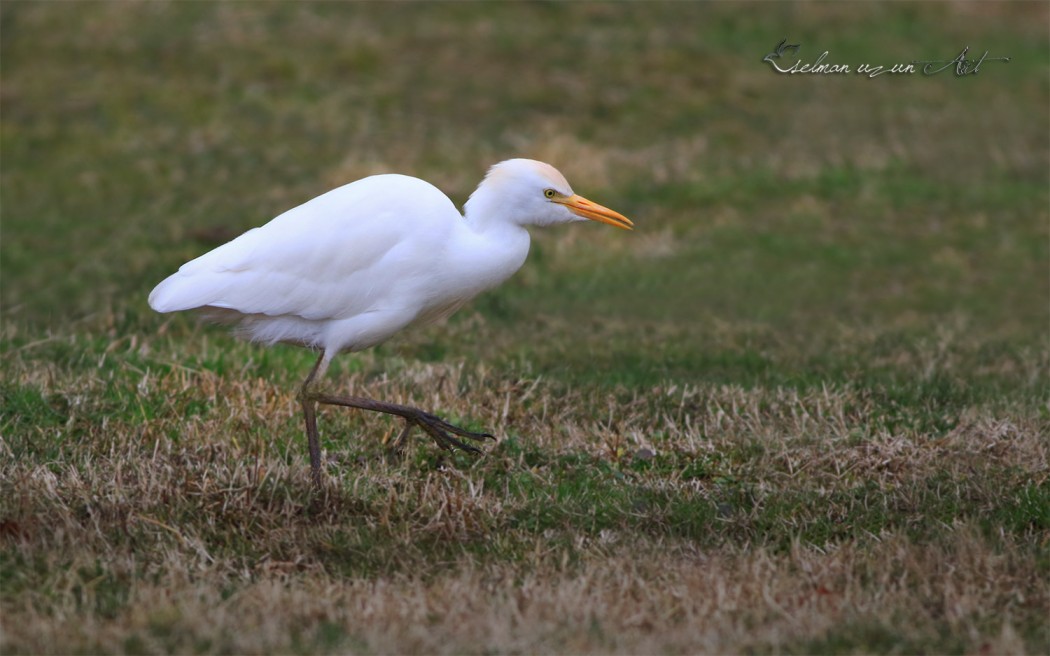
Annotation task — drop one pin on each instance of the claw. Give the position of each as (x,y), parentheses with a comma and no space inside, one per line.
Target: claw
(439,429)
(445,427)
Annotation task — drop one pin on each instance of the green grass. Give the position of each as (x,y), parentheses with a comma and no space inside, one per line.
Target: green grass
(802,408)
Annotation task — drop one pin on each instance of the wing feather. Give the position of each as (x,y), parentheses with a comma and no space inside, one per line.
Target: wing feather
(355,249)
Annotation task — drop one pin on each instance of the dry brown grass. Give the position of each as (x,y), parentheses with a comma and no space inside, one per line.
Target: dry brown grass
(655,597)
(156,536)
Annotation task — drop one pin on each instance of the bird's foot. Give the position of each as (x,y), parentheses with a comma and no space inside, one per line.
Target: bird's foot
(443,432)
(440,430)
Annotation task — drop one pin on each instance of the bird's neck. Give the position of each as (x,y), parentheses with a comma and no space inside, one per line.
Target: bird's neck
(481,211)
(496,234)
(488,248)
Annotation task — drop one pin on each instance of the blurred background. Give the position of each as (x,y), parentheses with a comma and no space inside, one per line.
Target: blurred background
(791,229)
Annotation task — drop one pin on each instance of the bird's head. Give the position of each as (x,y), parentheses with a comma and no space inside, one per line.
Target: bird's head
(527,192)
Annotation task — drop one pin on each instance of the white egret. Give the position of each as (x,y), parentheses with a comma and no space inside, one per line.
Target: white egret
(352,267)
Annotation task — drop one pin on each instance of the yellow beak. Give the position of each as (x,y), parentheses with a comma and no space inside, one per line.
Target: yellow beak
(582,207)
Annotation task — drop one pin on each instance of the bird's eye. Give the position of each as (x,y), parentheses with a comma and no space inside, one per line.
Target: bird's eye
(549,193)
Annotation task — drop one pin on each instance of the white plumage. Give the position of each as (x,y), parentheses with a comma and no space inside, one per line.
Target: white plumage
(352,267)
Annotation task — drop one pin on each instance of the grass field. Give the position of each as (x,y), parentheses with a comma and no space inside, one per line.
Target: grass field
(802,408)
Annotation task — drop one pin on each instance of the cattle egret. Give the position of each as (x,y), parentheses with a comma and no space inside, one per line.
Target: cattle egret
(352,267)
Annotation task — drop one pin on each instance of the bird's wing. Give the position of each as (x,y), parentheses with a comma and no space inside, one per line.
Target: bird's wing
(354,249)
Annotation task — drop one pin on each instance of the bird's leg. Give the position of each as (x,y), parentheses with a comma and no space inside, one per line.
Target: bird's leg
(310,412)
(440,430)
(309,403)
(436,427)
